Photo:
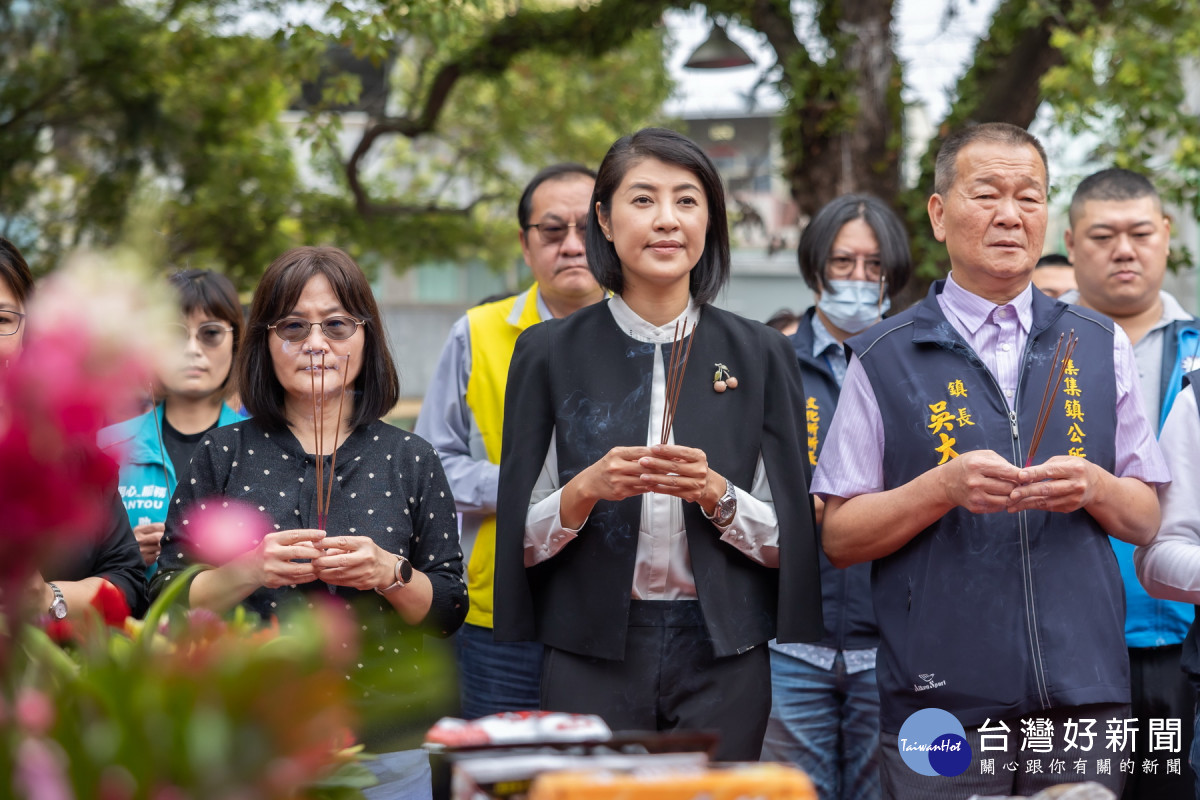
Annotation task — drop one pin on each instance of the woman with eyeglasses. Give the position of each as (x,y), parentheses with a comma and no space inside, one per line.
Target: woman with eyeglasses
(361,510)
(194,385)
(68,582)
(654,573)
(854,255)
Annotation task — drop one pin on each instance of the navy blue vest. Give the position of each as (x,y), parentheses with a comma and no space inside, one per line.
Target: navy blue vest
(845,593)
(995,615)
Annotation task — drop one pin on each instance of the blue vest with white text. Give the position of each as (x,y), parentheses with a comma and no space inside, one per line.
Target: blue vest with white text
(995,615)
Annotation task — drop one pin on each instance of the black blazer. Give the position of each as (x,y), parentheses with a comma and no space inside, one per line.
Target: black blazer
(585,379)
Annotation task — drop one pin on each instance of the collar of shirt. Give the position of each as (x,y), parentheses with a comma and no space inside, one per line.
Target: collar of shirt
(823,340)
(543,309)
(972,311)
(1172,311)
(644,331)
(827,347)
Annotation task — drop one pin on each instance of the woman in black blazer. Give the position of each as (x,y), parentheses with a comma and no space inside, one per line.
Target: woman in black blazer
(653,572)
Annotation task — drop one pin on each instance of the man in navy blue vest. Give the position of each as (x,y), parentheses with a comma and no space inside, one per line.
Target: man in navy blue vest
(1119,240)
(982,472)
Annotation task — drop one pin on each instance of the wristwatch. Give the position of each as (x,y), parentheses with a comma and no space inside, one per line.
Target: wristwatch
(58,608)
(726,508)
(404,573)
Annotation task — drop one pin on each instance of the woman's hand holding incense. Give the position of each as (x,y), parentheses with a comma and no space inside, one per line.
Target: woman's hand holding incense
(354,561)
(283,558)
(682,472)
(615,476)
(1062,483)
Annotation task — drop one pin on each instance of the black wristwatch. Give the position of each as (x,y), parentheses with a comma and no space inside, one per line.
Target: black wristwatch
(726,508)
(404,573)
(58,607)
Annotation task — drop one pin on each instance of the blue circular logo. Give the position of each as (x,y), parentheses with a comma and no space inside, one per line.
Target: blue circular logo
(933,742)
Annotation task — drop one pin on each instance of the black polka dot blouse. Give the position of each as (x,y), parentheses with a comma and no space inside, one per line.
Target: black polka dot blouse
(388,484)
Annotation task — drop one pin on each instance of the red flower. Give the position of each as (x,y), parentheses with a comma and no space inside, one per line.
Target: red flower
(60,631)
(110,602)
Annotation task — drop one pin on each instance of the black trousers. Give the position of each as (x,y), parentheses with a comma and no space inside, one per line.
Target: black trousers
(1160,690)
(668,680)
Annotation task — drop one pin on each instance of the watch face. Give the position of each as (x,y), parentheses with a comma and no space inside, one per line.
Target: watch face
(58,609)
(726,508)
(404,569)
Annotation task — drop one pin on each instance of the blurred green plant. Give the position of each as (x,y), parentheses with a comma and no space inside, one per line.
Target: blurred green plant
(190,707)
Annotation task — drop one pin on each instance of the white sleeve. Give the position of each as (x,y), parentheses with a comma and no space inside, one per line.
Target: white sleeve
(755,528)
(1169,567)
(544,531)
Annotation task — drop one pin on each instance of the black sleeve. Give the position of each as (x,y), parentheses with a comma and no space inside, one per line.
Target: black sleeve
(201,480)
(435,547)
(784,454)
(528,426)
(118,559)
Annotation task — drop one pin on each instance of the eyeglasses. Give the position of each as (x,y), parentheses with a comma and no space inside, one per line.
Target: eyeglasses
(294,329)
(842,267)
(209,335)
(555,232)
(10,322)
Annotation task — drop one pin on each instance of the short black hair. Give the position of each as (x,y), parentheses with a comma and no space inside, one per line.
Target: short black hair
(15,271)
(816,243)
(782,318)
(1053,260)
(554,172)
(278,292)
(945,167)
(213,294)
(1111,184)
(670,147)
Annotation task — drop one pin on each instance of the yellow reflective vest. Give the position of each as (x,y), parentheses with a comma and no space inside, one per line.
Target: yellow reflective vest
(494,329)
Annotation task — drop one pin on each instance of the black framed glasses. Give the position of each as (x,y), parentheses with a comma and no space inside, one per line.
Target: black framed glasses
(10,322)
(555,231)
(842,267)
(209,335)
(294,329)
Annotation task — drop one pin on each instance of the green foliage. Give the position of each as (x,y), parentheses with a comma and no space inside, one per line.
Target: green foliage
(108,108)
(451,193)
(99,102)
(1125,83)
(199,707)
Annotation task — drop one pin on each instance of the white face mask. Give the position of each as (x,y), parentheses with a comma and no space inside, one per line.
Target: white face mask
(853,306)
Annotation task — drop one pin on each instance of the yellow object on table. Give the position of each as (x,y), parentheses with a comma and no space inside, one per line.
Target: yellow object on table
(735,782)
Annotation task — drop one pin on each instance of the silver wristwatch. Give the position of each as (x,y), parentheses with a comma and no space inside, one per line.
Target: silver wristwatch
(404,573)
(58,608)
(726,508)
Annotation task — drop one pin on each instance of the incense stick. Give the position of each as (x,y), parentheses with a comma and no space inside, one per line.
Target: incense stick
(1058,370)
(1043,408)
(333,459)
(662,428)
(312,374)
(674,380)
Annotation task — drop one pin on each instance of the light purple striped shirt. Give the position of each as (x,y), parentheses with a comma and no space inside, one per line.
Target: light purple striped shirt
(851,460)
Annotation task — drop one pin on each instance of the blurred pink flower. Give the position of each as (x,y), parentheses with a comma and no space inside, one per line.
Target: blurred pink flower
(34,712)
(41,771)
(219,531)
(82,363)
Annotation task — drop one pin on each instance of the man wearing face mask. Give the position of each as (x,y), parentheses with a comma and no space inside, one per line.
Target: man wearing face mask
(855,257)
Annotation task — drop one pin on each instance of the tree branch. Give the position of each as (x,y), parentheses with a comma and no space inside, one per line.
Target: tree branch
(591,31)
